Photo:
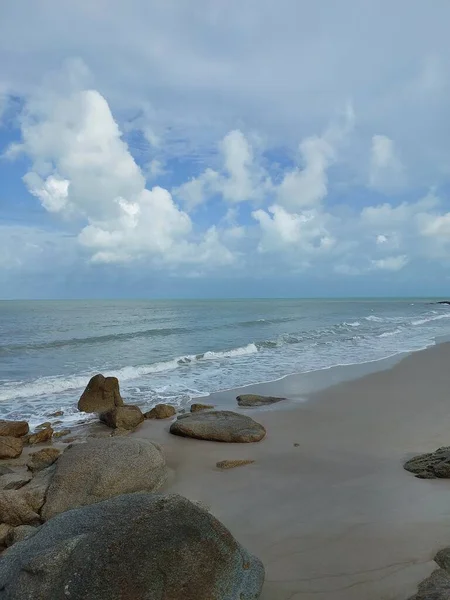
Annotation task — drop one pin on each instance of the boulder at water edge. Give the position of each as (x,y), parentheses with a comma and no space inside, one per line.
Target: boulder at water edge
(161,411)
(13,428)
(122,417)
(10,447)
(101,394)
(254,400)
(102,468)
(136,546)
(218,426)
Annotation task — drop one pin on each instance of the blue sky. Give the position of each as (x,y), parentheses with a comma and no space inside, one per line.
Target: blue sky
(224,149)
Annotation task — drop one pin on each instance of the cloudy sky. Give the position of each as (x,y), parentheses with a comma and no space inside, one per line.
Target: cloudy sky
(224,148)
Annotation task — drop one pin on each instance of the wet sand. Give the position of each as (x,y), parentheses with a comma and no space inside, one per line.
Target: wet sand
(336,517)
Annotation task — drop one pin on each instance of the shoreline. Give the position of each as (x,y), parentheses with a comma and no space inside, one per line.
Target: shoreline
(335,516)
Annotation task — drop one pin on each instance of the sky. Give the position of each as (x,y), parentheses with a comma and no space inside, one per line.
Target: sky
(224,148)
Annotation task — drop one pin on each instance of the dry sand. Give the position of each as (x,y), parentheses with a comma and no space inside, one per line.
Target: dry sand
(336,517)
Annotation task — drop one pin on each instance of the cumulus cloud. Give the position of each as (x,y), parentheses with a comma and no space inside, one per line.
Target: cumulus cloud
(386,169)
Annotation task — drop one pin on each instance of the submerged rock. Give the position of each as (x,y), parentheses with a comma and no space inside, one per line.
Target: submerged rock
(218,426)
(136,546)
(101,394)
(122,417)
(102,468)
(432,465)
(161,411)
(10,447)
(251,400)
(62,433)
(13,428)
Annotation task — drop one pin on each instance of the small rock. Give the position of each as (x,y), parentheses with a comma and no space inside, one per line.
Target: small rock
(218,426)
(70,440)
(5,470)
(230,464)
(16,510)
(17,534)
(196,407)
(58,413)
(42,459)
(44,435)
(123,417)
(13,428)
(10,447)
(296,445)
(161,411)
(101,394)
(14,481)
(251,400)
(43,425)
(62,433)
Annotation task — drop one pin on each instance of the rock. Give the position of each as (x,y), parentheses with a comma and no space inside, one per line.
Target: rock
(296,445)
(102,468)
(16,510)
(44,435)
(218,426)
(135,546)
(196,407)
(17,534)
(62,433)
(432,465)
(43,425)
(435,587)
(5,532)
(14,481)
(161,411)
(252,400)
(10,447)
(13,428)
(230,464)
(442,559)
(58,413)
(35,492)
(5,470)
(101,394)
(42,459)
(123,417)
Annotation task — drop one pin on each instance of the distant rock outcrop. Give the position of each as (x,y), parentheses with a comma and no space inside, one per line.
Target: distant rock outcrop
(433,465)
(134,546)
(218,426)
(101,394)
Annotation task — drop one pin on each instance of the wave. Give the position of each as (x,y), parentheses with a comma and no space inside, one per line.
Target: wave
(375,319)
(353,324)
(95,339)
(57,385)
(427,320)
(390,333)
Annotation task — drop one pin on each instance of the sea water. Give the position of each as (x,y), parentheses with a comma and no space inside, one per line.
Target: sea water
(173,351)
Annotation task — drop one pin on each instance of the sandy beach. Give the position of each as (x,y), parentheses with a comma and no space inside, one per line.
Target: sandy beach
(327,505)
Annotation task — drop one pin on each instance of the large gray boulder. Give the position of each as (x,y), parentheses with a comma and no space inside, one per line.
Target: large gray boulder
(123,417)
(255,400)
(432,465)
(102,468)
(136,547)
(101,394)
(218,426)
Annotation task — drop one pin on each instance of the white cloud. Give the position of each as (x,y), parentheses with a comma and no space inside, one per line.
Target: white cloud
(386,169)
(391,263)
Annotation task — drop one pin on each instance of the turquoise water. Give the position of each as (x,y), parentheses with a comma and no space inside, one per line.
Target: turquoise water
(172,351)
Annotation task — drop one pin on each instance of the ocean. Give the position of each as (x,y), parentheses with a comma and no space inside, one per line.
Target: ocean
(175,350)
